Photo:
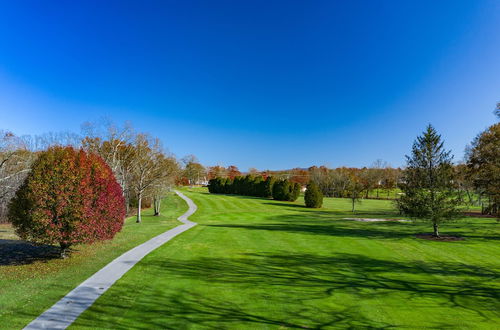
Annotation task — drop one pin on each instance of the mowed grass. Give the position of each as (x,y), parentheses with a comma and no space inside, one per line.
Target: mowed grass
(29,284)
(260,264)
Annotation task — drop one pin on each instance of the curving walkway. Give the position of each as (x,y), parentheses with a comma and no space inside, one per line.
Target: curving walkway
(66,310)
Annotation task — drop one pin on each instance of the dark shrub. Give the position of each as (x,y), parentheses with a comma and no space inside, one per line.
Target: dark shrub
(313,196)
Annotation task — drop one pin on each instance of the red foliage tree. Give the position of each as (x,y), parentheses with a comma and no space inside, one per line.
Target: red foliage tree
(232,172)
(69,197)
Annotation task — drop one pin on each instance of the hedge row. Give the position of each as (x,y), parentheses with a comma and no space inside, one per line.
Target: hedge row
(282,190)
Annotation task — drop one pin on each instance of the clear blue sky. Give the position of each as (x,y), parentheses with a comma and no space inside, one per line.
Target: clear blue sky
(266,84)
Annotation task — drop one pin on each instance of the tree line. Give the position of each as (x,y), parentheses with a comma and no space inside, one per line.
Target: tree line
(144,170)
(256,186)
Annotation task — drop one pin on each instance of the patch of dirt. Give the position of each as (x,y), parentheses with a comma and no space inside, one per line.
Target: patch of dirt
(442,238)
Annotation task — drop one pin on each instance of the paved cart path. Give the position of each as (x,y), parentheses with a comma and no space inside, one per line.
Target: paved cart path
(67,310)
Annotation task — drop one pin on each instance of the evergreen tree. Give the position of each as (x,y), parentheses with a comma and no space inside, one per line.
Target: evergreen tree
(267,189)
(294,191)
(280,190)
(313,196)
(428,192)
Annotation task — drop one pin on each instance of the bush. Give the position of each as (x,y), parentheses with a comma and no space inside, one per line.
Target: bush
(267,187)
(313,196)
(69,197)
(284,190)
(295,191)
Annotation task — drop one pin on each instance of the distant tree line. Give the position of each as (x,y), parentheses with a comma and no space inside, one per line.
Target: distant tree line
(256,186)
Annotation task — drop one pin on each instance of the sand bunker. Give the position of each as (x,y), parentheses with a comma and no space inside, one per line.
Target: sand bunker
(375,220)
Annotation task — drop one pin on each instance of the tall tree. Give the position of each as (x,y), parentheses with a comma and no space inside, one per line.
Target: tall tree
(147,167)
(193,170)
(428,192)
(162,186)
(354,188)
(232,172)
(483,162)
(15,162)
(216,172)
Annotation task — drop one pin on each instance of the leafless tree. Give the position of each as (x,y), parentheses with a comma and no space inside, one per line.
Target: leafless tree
(147,167)
(113,144)
(15,162)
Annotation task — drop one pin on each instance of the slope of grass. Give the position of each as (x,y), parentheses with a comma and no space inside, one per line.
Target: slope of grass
(255,264)
(30,284)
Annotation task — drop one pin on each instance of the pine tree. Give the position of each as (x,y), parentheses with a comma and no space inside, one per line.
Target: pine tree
(428,192)
(313,196)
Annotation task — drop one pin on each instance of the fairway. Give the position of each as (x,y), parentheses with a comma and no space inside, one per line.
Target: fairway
(257,263)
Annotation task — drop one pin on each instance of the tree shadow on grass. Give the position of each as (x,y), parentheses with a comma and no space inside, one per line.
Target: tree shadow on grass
(305,288)
(184,309)
(17,252)
(325,223)
(286,204)
(330,223)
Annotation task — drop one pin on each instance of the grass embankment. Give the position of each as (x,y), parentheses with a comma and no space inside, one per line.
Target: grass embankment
(256,263)
(29,283)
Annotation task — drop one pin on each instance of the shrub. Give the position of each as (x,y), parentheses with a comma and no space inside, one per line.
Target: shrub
(68,197)
(313,196)
(284,190)
(267,187)
(294,191)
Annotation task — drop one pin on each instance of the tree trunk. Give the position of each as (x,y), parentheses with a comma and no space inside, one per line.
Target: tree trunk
(157,204)
(64,250)
(139,202)
(436,229)
(353,205)
(469,196)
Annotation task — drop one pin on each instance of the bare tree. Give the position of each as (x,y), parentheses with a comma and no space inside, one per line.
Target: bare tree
(170,169)
(113,144)
(15,162)
(147,169)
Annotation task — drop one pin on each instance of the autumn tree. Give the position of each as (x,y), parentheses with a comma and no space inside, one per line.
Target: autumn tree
(69,197)
(193,170)
(428,191)
(483,162)
(216,172)
(170,168)
(113,144)
(232,172)
(354,188)
(147,167)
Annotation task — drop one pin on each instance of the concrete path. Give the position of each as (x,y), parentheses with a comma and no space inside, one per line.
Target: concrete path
(66,310)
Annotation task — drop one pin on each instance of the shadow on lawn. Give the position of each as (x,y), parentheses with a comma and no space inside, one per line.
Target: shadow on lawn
(17,252)
(302,291)
(323,223)
(334,224)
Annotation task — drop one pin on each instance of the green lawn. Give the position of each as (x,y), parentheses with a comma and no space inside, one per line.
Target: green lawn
(255,263)
(30,284)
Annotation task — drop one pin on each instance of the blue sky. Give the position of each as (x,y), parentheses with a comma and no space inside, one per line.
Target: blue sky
(266,84)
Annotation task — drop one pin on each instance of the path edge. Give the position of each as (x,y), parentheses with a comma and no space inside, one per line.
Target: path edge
(64,312)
